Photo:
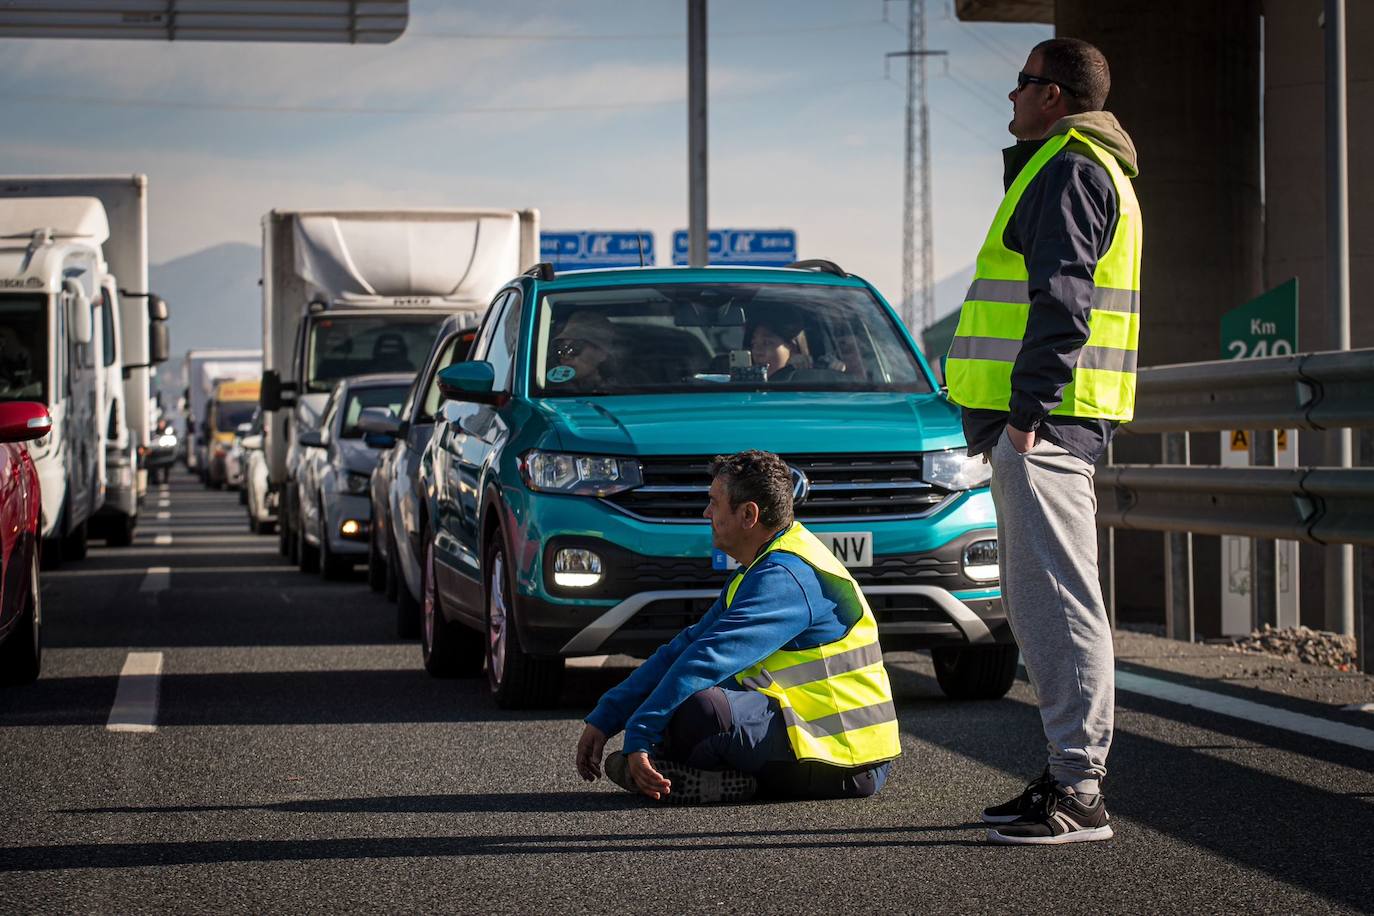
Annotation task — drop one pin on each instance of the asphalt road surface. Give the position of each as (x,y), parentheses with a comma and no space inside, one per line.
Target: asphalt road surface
(302,760)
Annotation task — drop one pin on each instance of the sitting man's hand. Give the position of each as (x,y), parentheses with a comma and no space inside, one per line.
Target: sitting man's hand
(591,748)
(649,780)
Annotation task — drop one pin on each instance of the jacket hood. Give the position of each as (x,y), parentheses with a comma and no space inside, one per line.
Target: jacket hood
(1106,131)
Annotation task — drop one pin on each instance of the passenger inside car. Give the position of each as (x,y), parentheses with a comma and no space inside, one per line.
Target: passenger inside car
(583,347)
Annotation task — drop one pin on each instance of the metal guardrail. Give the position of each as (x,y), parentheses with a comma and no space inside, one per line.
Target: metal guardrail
(1309,391)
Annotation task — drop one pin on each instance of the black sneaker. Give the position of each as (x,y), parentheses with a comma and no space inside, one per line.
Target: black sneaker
(1058,817)
(1022,804)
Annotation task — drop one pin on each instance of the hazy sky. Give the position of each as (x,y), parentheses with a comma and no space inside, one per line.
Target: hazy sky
(575,108)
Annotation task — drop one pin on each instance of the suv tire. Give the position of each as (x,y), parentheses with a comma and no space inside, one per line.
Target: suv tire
(307,555)
(409,611)
(21,654)
(517,680)
(332,566)
(376,566)
(393,575)
(77,542)
(449,649)
(975,672)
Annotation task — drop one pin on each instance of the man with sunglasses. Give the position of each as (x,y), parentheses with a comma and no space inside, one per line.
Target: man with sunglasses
(1043,363)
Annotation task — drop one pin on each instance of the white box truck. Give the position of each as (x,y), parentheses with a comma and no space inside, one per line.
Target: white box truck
(134,334)
(51,280)
(204,370)
(352,292)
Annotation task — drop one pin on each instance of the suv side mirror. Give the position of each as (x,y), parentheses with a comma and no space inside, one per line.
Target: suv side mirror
(313,438)
(469,381)
(380,421)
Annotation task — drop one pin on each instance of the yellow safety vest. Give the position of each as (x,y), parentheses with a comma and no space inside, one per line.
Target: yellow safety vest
(835,698)
(992,322)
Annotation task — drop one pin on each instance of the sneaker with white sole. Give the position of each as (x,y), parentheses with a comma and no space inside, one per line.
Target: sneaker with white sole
(1058,817)
(690,786)
(1022,804)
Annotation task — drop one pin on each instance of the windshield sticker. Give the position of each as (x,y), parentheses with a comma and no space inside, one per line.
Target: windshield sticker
(559,374)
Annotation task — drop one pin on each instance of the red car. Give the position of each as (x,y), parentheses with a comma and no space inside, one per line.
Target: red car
(21,615)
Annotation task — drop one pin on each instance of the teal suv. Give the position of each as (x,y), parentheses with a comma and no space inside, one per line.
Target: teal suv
(566,477)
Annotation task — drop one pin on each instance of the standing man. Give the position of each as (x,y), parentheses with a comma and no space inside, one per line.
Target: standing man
(1044,364)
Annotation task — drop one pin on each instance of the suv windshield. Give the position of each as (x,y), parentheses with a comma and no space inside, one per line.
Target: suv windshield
(733,336)
(23,348)
(388,396)
(339,347)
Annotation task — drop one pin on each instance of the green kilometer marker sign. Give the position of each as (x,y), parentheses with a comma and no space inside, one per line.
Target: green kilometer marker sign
(1265,326)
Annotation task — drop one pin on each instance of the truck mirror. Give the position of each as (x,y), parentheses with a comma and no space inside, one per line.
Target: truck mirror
(159,343)
(269,394)
(82,327)
(157,308)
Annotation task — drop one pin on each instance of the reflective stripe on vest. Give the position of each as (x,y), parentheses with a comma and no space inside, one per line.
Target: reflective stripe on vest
(992,322)
(835,698)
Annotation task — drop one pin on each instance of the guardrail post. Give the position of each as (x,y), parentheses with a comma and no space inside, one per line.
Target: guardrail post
(1264,566)
(1178,558)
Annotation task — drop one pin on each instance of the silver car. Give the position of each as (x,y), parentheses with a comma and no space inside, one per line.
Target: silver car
(334,513)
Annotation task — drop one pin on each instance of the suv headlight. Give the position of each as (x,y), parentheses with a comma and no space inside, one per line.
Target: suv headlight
(579,475)
(953,469)
(356,483)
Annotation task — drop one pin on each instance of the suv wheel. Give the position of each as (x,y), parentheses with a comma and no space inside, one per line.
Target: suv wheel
(77,542)
(518,680)
(21,654)
(408,609)
(393,575)
(307,555)
(450,649)
(975,672)
(376,566)
(332,566)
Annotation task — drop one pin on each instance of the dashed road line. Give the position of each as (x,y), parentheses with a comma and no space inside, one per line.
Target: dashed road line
(60,574)
(157,579)
(588,661)
(1236,708)
(135,703)
(162,540)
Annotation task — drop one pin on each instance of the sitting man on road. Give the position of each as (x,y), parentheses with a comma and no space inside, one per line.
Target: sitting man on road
(778,690)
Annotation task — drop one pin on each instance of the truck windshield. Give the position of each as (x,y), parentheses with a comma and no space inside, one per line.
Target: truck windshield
(229,414)
(736,336)
(339,347)
(23,348)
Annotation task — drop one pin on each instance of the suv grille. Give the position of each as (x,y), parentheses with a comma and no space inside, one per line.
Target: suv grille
(840,487)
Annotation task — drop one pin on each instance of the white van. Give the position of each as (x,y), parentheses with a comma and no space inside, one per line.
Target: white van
(50,287)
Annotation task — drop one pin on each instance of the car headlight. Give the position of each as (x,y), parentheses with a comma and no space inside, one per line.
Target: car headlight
(579,475)
(953,469)
(356,483)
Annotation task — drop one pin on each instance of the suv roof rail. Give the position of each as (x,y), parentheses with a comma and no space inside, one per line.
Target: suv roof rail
(541,271)
(821,264)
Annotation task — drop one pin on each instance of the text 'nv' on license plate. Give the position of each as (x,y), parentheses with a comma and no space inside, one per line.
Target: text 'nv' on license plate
(852,548)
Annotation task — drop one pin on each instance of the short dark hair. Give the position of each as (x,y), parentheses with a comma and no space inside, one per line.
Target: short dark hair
(757,477)
(1080,69)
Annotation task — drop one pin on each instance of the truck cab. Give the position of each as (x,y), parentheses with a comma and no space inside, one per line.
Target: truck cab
(50,282)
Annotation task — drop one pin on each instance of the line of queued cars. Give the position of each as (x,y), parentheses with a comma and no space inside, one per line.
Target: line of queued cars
(534,492)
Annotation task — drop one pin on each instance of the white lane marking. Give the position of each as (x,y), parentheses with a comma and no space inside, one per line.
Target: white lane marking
(163,516)
(157,580)
(59,574)
(1313,727)
(587,661)
(135,703)
(1358,707)
(162,540)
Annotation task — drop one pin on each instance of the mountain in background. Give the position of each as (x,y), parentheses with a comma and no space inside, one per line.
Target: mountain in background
(214,300)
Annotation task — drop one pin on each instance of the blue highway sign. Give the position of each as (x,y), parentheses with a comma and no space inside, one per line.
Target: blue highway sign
(586,249)
(743,247)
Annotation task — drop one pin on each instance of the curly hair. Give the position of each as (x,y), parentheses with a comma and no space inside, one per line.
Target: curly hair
(757,477)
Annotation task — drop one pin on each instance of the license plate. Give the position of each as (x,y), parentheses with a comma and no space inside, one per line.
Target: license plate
(852,548)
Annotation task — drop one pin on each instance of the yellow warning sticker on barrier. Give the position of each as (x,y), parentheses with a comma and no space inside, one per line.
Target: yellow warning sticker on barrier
(1240,440)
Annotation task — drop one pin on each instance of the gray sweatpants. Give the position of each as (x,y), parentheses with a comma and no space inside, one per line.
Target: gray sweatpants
(1047,545)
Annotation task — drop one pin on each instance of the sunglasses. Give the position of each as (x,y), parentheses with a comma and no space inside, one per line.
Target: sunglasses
(1024,79)
(569,347)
